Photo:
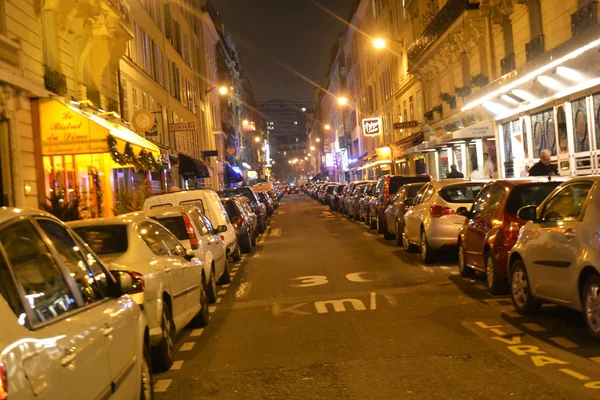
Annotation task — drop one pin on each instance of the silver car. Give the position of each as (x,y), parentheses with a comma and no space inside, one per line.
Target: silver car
(432,223)
(400,204)
(557,256)
(69,331)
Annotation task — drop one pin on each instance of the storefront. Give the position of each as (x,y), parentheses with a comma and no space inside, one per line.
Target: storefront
(89,160)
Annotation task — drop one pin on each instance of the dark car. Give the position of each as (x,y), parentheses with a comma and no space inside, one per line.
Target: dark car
(400,204)
(387,186)
(335,201)
(240,222)
(266,200)
(363,202)
(329,192)
(294,190)
(492,227)
(257,206)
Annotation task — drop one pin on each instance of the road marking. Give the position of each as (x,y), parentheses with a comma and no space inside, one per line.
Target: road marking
(234,269)
(277,310)
(196,332)
(356,277)
(309,281)
(574,374)
(222,292)
(238,264)
(212,309)
(486,326)
(512,314)
(595,359)
(176,365)
(391,299)
(243,290)
(339,305)
(162,385)
(233,274)
(444,267)
(534,327)
(276,232)
(373,300)
(564,342)
(187,346)
(218,300)
(225,286)
(281,212)
(367,234)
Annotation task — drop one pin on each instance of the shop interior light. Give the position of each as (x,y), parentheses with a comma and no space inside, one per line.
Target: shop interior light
(494,107)
(521,95)
(549,82)
(570,74)
(510,99)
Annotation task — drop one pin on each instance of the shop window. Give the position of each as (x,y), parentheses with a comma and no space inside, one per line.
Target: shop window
(508,152)
(561,122)
(551,135)
(597,119)
(525,138)
(541,138)
(581,137)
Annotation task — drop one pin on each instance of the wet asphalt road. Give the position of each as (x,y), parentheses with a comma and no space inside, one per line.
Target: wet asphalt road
(326,309)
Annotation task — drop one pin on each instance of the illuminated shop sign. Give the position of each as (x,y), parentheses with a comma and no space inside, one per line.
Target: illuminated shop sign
(371,126)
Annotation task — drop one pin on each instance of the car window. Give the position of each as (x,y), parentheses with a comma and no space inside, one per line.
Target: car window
(379,185)
(420,194)
(232,209)
(176,225)
(479,201)
(427,194)
(397,182)
(195,202)
(207,226)
(463,193)
(73,259)
(159,240)
(9,291)
(399,197)
(412,190)
(98,272)
(36,272)
(531,194)
(493,200)
(567,203)
(104,239)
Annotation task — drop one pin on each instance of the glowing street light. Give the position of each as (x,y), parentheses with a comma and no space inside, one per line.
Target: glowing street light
(379,43)
(257,139)
(327,127)
(342,101)
(245,122)
(306,158)
(318,140)
(223,90)
(312,148)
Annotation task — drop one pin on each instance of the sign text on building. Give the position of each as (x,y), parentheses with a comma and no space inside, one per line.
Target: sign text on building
(406,124)
(371,126)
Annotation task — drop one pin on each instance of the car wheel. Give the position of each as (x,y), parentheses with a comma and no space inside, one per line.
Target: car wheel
(225,277)
(262,227)
(495,283)
(367,219)
(427,253)
(237,254)
(146,385)
(247,245)
(372,223)
(463,269)
(211,287)
(520,292)
(406,244)
(163,352)
(591,305)
(201,319)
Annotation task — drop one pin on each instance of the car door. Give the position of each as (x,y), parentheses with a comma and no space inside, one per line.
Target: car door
(410,218)
(213,242)
(392,211)
(418,213)
(553,249)
(65,313)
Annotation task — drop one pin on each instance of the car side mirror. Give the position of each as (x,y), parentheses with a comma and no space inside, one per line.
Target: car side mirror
(220,229)
(463,211)
(124,283)
(408,202)
(189,254)
(527,213)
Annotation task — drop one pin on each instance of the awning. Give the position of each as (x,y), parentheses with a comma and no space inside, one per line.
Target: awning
(190,167)
(232,175)
(66,130)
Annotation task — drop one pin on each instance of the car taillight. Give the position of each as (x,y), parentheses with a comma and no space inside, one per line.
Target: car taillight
(439,211)
(138,284)
(510,227)
(3,382)
(189,228)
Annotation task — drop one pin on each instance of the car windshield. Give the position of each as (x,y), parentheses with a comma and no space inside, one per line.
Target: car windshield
(244,191)
(232,209)
(330,189)
(412,190)
(105,239)
(529,194)
(174,224)
(463,193)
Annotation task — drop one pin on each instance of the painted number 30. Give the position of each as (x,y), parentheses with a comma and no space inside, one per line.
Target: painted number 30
(308,281)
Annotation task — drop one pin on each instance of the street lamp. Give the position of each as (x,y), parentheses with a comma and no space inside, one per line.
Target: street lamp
(342,101)
(318,140)
(257,139)
(327,127)
(379,43)
(222,90)
(245,122)
(312,148)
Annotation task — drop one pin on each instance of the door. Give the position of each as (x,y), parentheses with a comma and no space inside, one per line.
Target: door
(70,350)
(553,249)
(480,224)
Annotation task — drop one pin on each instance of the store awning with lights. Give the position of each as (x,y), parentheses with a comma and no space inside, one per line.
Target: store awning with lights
(67,130)
(190,167)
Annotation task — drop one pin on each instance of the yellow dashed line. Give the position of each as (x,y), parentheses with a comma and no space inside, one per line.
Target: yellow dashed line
(574,374)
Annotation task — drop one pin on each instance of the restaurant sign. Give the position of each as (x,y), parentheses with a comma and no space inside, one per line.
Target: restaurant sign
(371,126)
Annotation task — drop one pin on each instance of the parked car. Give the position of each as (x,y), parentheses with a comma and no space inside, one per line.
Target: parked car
(196,232)
(353,199)
(348,196)
(400,204)
(294,190)
(363,203)
(170,275)
(210,205)
(67,322)
(386,188)
(266,200)
(492,227)
(257,206)
(329,192)
(432,223)
(251,216)
(241,223)
(335,201)
(556,257)
(275,197)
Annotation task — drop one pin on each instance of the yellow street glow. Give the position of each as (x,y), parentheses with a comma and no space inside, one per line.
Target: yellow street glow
(223,90)
(342,101)
(379,43)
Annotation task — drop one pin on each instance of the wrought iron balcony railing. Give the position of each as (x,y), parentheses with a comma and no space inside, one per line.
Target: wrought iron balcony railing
(55,81)
(534,48)
(92,95)
(120,7)
(451,11)
(584,18)
(507,64)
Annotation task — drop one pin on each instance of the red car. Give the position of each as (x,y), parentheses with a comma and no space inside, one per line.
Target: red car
(492,227)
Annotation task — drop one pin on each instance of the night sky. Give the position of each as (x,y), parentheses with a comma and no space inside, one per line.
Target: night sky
(295,32)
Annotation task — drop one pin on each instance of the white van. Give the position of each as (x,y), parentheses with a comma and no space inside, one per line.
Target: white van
(209,203)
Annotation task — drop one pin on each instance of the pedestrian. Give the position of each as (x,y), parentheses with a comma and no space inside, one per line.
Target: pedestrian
(454,172)
(475,174)
(544,166)
(488,166)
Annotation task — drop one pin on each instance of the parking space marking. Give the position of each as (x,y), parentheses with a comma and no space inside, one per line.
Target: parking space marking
(233,274)
(238,264)
(234,269)
(162,385)
(444,267)
(196,332)
(218,300)
(574,374)
(212,309)
(187,346)
(532,326)
(276,232)
(564,342)
(222,292)
(512,314)
(176,365)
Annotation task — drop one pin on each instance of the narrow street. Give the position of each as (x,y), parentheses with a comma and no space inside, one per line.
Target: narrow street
(324,308)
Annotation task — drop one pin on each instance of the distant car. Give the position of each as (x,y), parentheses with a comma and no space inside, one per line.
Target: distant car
(335,201)
(240,222)
(432,223)
(492,227)
(557,256)
(348,197)
(257,206)
(266,200)
(69,329)
(329,193)
(173,296)
(249,213)
(353,200)
(294,190)
(363,203)
(400,204)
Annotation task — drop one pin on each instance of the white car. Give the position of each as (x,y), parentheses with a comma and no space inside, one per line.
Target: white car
(69,331)
(209,203)
(195,232)
(432,223)
(173,295)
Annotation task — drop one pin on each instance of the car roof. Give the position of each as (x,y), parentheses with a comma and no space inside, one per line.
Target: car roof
(7,213)
(457,181)
(512,182)
(125,219)
(171,211)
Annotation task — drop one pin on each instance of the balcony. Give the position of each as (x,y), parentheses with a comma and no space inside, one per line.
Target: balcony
(584,18)
(55,81)
(447,16)
(507,64)
(534,48)
(121,9)
(92,95)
